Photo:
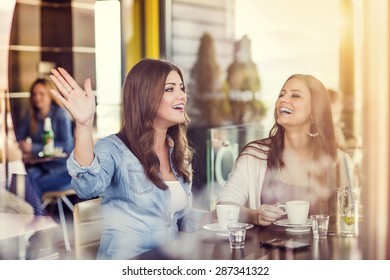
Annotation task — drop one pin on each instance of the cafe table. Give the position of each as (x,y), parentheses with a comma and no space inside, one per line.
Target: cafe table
(22,226)
(30,160)
(208,245)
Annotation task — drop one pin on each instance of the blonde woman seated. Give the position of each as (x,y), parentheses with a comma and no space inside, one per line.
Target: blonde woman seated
(299,160)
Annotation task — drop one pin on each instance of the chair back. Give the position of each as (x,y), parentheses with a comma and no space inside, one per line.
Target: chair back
(11,203)
(88,226)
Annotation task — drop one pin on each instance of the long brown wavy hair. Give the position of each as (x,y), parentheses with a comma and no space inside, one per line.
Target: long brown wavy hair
(33,110)
(141,96)
(273,146)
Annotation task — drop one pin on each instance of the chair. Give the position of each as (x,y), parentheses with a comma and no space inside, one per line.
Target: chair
(28,192)
(58,197)
(12,203)
(88,226)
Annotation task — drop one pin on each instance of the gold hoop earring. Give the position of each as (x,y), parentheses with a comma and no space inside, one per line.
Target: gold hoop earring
(311,129)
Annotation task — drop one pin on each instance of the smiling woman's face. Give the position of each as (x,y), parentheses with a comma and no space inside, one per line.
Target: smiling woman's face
(293,107)
(171,110)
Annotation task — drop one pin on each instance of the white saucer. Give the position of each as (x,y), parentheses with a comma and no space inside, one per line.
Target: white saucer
(286,223)
(221,231)
(298,230)
(215,227)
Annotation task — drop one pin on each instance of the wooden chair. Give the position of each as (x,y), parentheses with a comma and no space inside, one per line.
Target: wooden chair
(12,203)
(88,226)
(59,197)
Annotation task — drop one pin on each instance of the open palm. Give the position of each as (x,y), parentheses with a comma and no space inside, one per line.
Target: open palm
(80,103)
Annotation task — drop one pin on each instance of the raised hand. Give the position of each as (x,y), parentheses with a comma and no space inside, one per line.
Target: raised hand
(80,103)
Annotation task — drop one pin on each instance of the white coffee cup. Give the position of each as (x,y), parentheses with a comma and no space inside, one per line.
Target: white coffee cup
(296,210)
(227,214)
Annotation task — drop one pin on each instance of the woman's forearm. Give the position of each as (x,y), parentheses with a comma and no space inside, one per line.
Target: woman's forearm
(248,215)
(83,149)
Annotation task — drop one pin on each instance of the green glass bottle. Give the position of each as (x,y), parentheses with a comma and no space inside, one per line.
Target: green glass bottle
(48,138)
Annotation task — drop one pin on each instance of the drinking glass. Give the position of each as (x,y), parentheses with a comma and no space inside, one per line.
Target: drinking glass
(319,225)
(237,233)
(349,205)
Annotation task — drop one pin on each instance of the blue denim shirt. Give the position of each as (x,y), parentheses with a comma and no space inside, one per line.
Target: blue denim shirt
(137,215)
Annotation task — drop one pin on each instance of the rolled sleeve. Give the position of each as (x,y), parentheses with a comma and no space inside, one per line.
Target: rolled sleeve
(75,169)
(85,179)
(93,180)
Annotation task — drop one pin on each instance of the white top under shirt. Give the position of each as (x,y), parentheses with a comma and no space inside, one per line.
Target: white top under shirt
(179,198)
(245,183)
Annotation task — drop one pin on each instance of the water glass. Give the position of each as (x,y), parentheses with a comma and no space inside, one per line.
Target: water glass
(237,232)
(58,150)
(349,209)
(319,225)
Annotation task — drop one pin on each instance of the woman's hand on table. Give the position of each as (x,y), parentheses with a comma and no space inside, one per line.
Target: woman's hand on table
(25,146)
(267,214)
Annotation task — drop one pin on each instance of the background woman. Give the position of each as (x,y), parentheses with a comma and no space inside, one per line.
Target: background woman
(53,175)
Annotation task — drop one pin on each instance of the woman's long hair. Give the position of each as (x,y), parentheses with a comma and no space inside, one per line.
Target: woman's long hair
(33,110)
(142,93)
(273,146)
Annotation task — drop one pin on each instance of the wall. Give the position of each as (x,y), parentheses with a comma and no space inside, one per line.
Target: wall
(190,19)
(184,24)
(60,32)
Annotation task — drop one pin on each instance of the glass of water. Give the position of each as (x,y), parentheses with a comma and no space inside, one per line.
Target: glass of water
(237,232)
(319,225)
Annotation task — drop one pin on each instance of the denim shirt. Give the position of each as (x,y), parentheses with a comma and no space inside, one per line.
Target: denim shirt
(137,215)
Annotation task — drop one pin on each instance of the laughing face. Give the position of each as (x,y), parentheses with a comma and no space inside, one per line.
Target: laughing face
(171,110)
(293,107)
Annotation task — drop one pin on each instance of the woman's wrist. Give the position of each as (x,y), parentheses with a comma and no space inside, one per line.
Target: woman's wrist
(253,215)
(85,126)
(249,215)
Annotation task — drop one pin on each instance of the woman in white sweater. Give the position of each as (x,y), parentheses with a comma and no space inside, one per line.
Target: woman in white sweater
(299,160)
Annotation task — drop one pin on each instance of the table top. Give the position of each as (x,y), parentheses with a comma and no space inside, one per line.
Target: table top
(207,245)
(33,160)
(13,225)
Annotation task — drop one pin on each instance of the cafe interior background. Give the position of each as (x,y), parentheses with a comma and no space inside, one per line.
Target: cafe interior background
(235,56)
